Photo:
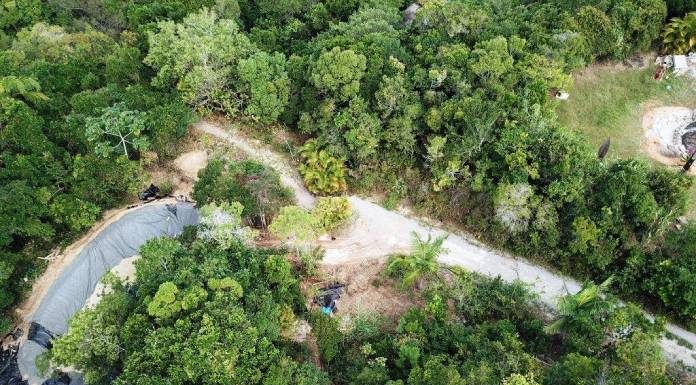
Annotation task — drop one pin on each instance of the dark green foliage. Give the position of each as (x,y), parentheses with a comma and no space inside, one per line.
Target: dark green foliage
(674,266)
(200,315)
(252,184)
(54,83)
(167,124)
(679,8)
(329,338)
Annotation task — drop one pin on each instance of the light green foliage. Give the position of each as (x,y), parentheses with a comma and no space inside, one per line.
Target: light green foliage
(338,72)
(200,56)
(492,59)
(518,379)
(679,36)
(296,226)
(223,224)
(332,212)
(323,174)
(514,205)
(266,84)
(164,305)
(24,87)
(421,265)
(299,228)
(117,131)
(226,284)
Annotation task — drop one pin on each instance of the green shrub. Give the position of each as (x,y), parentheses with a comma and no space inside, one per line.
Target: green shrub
(674,277)
(252,184)
(166,188)
(599,30)
(167,124)
(329,338)
(296,226)
(679,36)
(332,212)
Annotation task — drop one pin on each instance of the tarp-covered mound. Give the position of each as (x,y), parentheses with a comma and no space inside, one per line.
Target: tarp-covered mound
(70,291)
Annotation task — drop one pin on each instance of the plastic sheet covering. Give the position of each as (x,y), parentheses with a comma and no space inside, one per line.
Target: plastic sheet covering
(70,291)
(40,335)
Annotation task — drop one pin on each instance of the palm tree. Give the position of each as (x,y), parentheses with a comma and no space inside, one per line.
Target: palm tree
(420,264)
(570,306)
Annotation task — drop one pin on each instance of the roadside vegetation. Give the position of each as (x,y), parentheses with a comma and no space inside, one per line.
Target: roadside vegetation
(450,110)
(228,313)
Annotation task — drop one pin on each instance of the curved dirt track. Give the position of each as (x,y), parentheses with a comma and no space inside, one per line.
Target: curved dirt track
(378,233)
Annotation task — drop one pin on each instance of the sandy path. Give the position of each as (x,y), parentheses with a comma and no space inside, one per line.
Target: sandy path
(378,232)
(288,175)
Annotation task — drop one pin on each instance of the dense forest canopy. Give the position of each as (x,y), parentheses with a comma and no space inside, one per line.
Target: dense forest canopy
(451,110)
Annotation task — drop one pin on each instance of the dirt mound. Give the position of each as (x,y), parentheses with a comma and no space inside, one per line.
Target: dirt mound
(189,163)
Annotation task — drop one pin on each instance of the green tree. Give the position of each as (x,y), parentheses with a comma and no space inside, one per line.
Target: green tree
(200,57)
(322,173)
(599,30)
(252,184)
(116,131)
(421,264)
(266,84)
(200,314)
(674,271)
(17,14)
(338,72)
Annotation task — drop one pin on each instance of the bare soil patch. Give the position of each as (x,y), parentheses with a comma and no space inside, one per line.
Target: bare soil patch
(125,270)
(367,290)
(189,163)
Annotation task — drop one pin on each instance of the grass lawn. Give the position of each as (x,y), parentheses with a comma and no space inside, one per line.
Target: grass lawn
(609,101)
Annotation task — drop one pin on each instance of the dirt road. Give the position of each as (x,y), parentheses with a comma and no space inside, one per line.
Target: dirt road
(378,233)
